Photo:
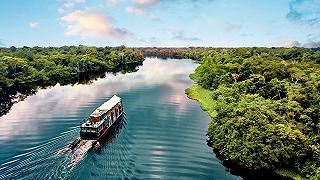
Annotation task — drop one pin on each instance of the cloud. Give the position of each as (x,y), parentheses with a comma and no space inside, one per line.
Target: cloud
(304,11)
(135,10)
(92,24)
(79,1)
(60,10)
(312,44)
(290,44)
(153,2)
(69,4)
(145,2)
(309,44)
(34,25)
(140,6)
(113,1)
(151,40)
(180,35)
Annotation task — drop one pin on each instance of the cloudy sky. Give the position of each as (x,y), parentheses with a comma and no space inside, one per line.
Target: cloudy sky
(173,23)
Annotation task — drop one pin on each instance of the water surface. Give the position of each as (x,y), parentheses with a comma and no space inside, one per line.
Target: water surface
(163,136)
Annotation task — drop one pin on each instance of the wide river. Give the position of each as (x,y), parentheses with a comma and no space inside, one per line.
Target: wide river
(162,137)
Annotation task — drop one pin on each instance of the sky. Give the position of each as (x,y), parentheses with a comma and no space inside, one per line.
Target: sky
(160,23)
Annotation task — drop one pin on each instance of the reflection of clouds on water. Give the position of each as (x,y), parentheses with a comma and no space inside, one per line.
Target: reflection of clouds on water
(164,135)
(66,101)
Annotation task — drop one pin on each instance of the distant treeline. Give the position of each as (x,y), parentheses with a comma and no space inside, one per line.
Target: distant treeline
(177,53)
(265,107)
(198,53)
(24,69)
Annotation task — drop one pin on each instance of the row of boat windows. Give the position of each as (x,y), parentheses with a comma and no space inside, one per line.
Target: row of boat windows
(106,122)
(113,115)
(92,130)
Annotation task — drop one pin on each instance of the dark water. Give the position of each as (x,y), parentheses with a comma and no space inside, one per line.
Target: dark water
(163,136)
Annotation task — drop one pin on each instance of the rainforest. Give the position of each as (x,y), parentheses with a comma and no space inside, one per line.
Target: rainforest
(25,69)
(263,102)
(159,89)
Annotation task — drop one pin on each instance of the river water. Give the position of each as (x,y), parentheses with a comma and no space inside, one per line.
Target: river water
(162,137)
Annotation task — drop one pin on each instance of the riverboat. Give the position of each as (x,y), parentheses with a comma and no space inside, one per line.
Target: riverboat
(100,120)
(93,128)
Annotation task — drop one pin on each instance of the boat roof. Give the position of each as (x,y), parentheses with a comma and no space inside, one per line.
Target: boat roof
(106,106)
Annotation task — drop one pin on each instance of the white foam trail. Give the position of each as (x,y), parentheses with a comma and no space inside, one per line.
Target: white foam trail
(81,151)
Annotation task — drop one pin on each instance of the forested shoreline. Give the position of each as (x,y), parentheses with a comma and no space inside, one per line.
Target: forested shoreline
(23,70)
(264,104)
(265,107)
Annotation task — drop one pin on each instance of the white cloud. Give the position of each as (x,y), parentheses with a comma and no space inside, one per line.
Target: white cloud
(61,10)
(34,24)
(135,10)
(92,24)
(145,2)
(68,5)
(113,1)
(79,1)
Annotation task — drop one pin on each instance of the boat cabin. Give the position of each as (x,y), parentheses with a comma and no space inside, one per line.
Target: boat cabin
(100,120)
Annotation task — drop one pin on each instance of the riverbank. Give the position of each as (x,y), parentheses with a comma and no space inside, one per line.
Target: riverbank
(264,105)
(203,96)
(263,109)
(152,143)
(24,70)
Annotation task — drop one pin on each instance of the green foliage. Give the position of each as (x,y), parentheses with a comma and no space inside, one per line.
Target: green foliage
(24,69)
(267,106)
(38,65)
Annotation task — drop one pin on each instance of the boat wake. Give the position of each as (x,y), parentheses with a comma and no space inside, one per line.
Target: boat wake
(47,162)
(83,148)
(32,160)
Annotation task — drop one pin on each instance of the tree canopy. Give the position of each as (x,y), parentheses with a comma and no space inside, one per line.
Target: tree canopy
(23,69)
(267,104)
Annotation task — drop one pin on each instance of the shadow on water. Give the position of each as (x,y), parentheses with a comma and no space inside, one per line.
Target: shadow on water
(242,171)
(112,133)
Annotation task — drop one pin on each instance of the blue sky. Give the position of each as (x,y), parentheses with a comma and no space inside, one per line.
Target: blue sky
(172,23)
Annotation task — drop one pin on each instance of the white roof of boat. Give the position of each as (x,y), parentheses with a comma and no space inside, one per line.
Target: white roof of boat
(107,105)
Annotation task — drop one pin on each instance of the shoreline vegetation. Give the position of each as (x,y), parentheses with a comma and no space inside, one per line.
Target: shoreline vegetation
(264,104)
(24,70)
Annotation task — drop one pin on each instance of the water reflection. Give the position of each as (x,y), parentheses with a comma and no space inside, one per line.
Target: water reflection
(53,101)
(164,135)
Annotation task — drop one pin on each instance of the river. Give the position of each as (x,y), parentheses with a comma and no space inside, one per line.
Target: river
(162,137)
